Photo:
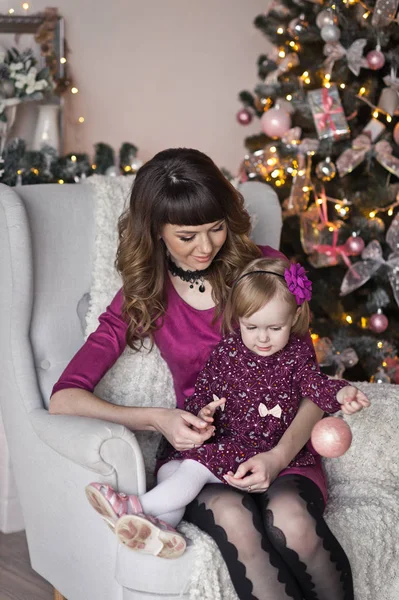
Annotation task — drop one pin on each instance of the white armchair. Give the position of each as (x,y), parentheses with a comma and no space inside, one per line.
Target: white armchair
(46,252)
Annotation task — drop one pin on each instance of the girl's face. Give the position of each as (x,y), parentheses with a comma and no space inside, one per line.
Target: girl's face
(193,247)
(267,331)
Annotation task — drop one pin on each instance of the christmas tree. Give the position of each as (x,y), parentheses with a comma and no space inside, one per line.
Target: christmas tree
(328,104)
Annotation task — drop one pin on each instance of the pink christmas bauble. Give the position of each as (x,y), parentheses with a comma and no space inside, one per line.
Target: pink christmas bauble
(378,322)
(244,116)
(331,437)
(396,134)
(354,245)
(275,122)
(375,60)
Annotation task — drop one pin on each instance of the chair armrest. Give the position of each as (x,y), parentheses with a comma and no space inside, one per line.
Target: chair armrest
(100,446)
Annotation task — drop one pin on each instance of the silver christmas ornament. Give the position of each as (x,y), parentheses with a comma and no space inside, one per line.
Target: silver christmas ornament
(330,33)
(326,17)
(112,171)
(325,170)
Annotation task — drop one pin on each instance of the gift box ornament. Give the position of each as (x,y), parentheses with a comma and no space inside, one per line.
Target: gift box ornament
(328,113)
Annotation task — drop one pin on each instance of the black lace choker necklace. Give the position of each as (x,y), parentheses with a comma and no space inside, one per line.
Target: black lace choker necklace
(192,277)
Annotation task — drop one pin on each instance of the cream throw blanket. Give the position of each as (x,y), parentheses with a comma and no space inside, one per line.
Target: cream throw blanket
(363,508)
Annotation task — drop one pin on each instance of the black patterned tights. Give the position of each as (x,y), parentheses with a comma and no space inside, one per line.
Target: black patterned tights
(276,545)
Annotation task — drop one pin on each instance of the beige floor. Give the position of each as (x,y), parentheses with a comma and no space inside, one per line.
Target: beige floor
(17,580)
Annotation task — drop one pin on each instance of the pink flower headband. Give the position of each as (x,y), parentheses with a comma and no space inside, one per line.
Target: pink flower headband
(296,279)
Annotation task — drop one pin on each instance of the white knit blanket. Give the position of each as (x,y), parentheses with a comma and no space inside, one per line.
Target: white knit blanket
(363,508)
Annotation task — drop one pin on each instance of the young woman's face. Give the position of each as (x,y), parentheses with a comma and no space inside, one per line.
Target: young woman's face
(267,331)
(193,247)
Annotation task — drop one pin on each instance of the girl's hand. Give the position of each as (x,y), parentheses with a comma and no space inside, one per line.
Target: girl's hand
(352,399)
(182,429)
(257,473)
(209,410)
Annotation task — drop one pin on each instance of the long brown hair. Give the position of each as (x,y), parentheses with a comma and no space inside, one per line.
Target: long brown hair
(252,292)
(179,186)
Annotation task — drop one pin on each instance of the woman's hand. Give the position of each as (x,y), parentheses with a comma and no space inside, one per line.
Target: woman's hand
(177,426)
(352,399)
(257,473)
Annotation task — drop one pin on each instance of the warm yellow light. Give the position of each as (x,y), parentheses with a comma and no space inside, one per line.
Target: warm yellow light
(337,206)
(390,212)
(279,182)
(331,229)
(61,181)
(292,44)
(372,214)
(380,345)
(384,363)
(327,76)
(314,336)
(19,172)
(389,118)
(94,167)
(364,323)
(63,60)
(342,86)
(362,91)
(333,7)
(349,319)
(301,173)
(281,53)
(11,11)
(73,158)
(319,200)
(35,171)
(271,161)
(25,6)
(280,30)
(305,74)
(375,114)
(288,97)
(74,90)
(275,173)
(342,212)
(307,80)
(81,119)
(305,189)
(366,15)
(273,149)
(127,168)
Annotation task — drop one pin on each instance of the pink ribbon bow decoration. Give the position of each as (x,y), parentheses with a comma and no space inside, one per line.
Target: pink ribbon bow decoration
(372,260)
(298,283)
(327,356)
(361,145)
(289,61)
(354,55)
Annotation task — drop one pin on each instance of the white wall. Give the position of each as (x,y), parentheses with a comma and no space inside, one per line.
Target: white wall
(161,73)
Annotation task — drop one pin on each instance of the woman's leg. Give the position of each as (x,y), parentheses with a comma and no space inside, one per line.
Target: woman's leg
(233,520)
(292,511)
(177,485)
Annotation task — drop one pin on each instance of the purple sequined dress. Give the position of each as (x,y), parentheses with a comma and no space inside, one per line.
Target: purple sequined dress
(262,398)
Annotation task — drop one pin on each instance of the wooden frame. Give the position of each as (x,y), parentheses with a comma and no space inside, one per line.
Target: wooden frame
(29,24)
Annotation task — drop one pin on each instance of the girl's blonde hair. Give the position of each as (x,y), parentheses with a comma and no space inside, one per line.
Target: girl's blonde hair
(179,186)
(251,293)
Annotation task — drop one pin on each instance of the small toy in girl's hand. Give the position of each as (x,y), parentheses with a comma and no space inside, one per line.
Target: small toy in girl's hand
(331,437)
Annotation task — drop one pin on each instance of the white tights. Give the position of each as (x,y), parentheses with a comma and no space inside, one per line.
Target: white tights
(179,482)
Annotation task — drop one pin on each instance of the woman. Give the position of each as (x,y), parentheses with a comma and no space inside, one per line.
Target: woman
(183,242)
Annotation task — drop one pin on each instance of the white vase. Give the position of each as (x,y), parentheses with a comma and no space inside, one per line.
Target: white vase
(47,129)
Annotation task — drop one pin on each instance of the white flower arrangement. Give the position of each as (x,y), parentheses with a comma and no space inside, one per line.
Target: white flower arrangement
(20,80)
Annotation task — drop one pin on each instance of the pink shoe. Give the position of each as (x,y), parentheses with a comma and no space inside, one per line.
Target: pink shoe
(111,504)
(150,536)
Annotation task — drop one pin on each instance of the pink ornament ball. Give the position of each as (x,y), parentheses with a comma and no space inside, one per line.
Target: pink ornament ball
(275,122)
(396,134)
(354,245)
(378,323)
(331,437)
(244,116)
(375,60)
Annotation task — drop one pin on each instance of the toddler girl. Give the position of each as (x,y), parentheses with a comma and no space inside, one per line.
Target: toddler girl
(249,391)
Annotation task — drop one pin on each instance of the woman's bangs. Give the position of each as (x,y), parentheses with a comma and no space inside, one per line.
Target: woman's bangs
(192,207)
